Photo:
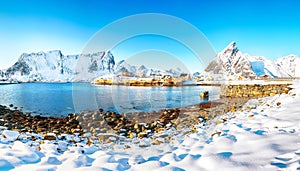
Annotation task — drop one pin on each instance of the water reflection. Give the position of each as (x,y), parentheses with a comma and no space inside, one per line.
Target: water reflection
(58,99)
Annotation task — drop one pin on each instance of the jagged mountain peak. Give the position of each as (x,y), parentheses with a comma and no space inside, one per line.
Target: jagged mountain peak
(123,63)
(142,67)
(230,54)
(231,49)
(124,68)
(230,46)
(109,54)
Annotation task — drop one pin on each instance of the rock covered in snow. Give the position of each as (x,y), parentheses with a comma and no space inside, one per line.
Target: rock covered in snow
(144,143)
(24,152)
(10,135)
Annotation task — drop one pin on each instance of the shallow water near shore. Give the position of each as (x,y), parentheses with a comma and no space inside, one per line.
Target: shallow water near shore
(59,99)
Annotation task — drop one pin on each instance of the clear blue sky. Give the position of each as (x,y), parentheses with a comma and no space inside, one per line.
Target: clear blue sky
(267,28)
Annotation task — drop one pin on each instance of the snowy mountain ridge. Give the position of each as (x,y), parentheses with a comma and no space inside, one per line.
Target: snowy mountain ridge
(53,66)
(231,63)
(125,69)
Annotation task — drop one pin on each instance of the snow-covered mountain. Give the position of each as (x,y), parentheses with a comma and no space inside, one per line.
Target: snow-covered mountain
(175,72)
(262,66)
(229,63)
(232,63)
(53,66)
(142,71)
(125,69)
(290,65)
(91,66)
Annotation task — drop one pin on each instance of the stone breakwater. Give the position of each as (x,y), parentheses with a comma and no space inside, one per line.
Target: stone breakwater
(134,125)
(253,90)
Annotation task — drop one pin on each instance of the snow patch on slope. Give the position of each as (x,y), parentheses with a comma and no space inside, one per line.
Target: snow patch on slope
(289,65)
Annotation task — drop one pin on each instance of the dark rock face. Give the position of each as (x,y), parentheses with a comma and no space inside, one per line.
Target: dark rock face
(214,67)
(108,62)
(93,67)
(20,66)
(2,75)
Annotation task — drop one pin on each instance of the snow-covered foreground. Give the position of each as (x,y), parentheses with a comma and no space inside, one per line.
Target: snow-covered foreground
(265,135)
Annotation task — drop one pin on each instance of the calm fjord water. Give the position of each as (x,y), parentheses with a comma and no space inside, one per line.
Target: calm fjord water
(59,99)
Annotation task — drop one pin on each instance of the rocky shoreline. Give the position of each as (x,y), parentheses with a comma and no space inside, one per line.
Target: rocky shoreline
(99,124)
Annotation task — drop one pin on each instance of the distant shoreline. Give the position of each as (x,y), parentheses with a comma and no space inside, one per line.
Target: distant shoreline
(116,84)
